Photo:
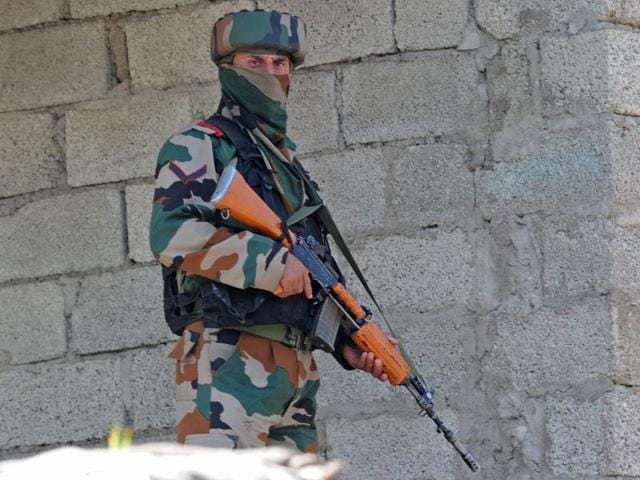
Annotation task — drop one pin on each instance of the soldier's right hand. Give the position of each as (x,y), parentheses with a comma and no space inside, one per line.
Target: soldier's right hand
(295,279)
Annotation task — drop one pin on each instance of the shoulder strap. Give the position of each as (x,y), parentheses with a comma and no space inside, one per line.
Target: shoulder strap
(247,149)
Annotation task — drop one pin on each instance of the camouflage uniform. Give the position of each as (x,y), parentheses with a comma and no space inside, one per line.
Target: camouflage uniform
(235,387)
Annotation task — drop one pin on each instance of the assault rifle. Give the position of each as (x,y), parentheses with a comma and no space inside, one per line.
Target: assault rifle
(235,199)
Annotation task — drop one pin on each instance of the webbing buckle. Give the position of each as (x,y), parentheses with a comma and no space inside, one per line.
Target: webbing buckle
(296,339)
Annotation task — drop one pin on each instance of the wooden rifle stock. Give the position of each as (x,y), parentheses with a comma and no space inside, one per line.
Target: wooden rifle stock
(236,199)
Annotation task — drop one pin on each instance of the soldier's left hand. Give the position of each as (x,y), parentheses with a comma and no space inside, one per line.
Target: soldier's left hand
(366,361)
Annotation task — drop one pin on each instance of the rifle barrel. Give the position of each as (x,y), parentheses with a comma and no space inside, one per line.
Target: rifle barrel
(424,397)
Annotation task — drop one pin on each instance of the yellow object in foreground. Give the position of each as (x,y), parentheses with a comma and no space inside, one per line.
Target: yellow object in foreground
(119,437)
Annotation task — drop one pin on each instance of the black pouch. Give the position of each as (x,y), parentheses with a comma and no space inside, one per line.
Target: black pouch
(222,308)
(179,308)
(226,306)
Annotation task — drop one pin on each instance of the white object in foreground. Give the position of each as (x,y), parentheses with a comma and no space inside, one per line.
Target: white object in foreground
(165,461)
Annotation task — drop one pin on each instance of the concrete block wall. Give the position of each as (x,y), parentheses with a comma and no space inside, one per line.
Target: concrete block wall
(481,156)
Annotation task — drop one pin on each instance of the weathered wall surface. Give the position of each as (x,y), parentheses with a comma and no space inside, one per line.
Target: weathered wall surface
(481,155)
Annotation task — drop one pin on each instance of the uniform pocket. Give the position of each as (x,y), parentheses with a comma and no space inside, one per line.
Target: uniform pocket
(201,352)
(187,353)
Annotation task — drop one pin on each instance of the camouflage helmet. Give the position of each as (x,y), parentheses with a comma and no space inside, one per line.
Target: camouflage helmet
(249,30)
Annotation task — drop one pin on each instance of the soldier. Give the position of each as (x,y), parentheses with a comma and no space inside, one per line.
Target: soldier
(245,376)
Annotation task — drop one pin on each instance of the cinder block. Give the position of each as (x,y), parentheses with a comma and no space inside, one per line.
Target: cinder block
(430,184)
(28,154)
(419,274)
(174,49)
(32,327)
(576,256)
(112,141)
(624,146)
(67,233)
(393,447)
(577,431)
(338,30)
(428,96)
(436,343)
(313,117)
(596,70)
(507,18)
(352,183)
(508,81)
(625,262)
(19,14)
(59,403)
(139,203)
(89,8)
(205,100)
(430,24)
(551,348)
(119,310)
(623,438)
(152,380)
(599,167)
(627,339)
(541,170)
(570,256)
(66,64)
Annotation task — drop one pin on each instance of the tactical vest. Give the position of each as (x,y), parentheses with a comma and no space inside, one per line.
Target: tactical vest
(222,305)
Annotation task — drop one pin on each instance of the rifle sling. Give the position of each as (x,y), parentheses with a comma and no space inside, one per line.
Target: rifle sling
(302,213)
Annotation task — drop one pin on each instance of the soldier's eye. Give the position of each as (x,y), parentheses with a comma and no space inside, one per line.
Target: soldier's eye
(281,65)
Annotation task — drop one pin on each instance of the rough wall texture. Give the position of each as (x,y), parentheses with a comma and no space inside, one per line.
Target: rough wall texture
(482,156)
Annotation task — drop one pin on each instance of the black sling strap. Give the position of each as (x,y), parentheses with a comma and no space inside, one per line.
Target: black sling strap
(233,131)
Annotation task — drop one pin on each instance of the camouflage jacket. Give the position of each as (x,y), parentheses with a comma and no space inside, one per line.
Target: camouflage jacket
(182,233)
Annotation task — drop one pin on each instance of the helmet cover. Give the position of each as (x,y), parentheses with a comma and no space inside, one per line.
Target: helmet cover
(249,30)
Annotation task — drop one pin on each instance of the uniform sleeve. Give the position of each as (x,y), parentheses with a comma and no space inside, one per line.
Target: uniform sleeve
(182,233)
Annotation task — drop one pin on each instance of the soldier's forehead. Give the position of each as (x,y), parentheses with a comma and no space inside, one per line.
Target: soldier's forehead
(259,52)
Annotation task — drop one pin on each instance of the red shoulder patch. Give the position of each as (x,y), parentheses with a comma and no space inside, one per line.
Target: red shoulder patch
(216,131)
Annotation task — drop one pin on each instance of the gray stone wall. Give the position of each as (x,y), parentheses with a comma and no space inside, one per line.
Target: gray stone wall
(482,156)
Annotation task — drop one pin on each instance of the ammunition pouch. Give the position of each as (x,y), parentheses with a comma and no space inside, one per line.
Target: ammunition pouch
(225,306)
(179,308)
